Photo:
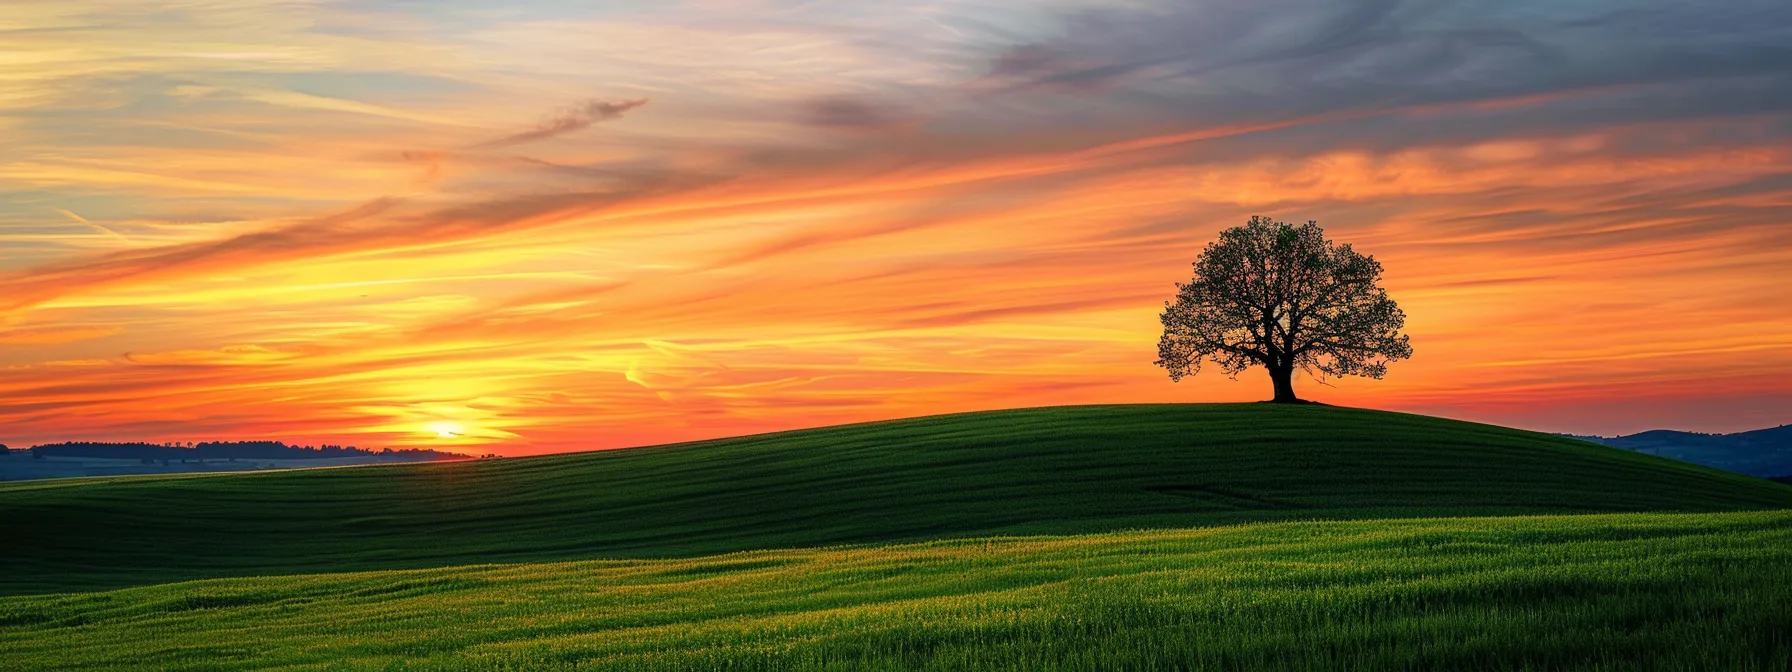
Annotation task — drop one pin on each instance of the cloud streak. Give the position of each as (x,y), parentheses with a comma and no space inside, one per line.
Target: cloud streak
(576,118)
(868,212)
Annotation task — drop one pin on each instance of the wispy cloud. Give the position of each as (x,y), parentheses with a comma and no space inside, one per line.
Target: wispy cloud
(323,221)
(575,118)
(854,113)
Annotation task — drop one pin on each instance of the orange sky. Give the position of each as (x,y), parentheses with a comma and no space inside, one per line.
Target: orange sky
(557,228)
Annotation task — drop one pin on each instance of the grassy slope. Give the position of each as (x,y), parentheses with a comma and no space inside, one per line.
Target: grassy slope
(1058,471)
(1593,592)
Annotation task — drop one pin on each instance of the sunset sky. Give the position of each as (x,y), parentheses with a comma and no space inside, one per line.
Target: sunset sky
(557,225)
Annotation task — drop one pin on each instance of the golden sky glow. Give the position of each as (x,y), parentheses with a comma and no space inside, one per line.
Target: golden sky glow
(530,227)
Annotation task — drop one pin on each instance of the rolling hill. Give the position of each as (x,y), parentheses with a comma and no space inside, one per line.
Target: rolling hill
(1038,471)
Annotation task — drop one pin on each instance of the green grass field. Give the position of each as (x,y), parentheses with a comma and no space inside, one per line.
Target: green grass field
(1157,537)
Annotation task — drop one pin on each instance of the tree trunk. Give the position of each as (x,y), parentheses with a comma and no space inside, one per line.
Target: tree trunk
(1283,377)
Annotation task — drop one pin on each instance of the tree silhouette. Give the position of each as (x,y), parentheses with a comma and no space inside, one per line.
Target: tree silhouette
(1284,297)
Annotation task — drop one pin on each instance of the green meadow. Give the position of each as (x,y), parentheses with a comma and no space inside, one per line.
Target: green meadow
(1217,537)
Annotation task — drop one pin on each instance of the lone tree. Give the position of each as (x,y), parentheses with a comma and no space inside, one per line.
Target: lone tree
(1282,296)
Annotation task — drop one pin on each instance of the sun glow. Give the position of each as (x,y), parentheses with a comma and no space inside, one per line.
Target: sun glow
(449,238)
(446,430)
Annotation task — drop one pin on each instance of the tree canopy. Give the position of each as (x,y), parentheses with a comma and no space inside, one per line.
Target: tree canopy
(1286,298)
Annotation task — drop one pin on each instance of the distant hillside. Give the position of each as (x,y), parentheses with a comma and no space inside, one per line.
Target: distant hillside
(224,450)
(83,459)
(1034,471)
(1763,452)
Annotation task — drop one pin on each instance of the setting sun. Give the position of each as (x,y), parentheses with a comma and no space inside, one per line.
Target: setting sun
(603,256)
(446,430)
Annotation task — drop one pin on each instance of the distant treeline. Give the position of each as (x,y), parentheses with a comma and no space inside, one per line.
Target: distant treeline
(224,450)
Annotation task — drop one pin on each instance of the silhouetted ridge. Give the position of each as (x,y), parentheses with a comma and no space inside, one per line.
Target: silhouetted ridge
(1761,452)
(224,450)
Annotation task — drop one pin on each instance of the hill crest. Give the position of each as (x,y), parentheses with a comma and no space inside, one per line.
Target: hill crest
(1030,471)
